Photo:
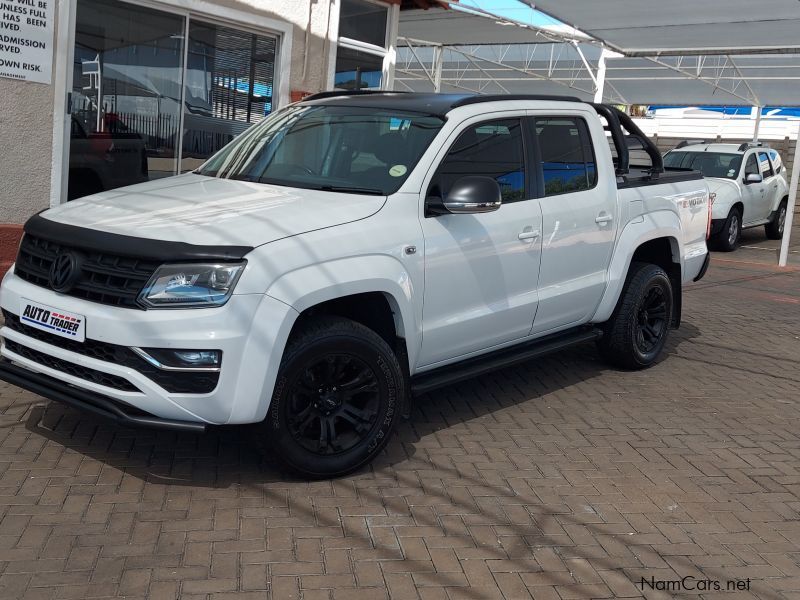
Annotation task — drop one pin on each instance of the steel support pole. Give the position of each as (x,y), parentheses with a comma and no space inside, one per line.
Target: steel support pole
(787,228)
(757,127)
(438,63)
(600,79)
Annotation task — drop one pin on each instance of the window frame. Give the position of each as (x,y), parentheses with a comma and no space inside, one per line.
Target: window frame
(526,158)
(385,52)
(754,156)
(538,170)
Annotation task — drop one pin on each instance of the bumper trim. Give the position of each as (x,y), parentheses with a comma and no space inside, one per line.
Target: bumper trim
(85,400)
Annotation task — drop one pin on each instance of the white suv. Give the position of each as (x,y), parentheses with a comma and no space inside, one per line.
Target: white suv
(749,183)
(346,254)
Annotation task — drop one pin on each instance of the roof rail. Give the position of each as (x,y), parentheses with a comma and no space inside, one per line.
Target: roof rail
(335,93)
(748,145)
(495,97)
(685,143)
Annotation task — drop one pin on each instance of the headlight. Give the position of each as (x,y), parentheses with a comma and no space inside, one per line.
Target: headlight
(191,285)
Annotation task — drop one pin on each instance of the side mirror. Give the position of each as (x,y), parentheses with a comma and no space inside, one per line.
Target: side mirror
(753,178)
(473,194)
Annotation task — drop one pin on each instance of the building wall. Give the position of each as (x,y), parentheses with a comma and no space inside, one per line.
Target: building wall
(26,118)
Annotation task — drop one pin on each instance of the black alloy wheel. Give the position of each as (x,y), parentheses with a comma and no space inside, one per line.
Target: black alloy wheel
(334,404)
(336,400)
(651,319)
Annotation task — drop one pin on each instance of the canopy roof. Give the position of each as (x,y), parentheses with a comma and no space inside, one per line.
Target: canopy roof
(655,52)
(681,27)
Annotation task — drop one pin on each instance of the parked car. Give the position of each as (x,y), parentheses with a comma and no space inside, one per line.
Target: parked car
(348,254)
(749,183)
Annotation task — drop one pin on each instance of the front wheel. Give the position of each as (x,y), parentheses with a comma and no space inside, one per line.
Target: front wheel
(727,240)
(775,227)
(635,335)
(336,399)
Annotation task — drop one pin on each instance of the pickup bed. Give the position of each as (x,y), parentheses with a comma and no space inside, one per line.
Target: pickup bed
(348,254)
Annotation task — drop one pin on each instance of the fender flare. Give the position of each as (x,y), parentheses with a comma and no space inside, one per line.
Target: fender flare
(655,225)
(314,284)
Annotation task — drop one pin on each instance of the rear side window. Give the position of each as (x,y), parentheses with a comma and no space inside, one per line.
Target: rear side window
(776,160)
(492,149)
(566,155)
(751,166)
(766,168)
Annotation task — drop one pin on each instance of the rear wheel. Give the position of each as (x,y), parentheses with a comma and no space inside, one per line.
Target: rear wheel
(775,227)
(336,400)
(727,240)
(635,335)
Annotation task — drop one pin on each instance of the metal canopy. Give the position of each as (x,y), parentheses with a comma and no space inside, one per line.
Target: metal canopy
(683,27)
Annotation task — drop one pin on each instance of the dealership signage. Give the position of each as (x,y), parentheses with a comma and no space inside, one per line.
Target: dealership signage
(26,39)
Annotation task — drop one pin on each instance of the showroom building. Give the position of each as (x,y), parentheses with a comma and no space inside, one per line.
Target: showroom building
(134,90)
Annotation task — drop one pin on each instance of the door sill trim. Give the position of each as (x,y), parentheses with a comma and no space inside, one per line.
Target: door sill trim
(505,357)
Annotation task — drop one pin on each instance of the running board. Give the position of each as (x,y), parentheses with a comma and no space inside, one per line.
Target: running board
(472,367)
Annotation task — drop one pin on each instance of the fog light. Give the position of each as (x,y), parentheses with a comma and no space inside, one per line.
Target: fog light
(181,360)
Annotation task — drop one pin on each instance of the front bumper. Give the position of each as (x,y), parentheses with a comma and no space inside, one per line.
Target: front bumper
(106,407)
(250,330)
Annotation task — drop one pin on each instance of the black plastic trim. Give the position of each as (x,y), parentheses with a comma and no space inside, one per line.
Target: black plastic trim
(85,400)
(668,176)
(704,268)
(129,246)
(717,225)
(504,97)
(506,357)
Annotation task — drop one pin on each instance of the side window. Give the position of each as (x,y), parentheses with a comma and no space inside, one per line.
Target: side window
(567,156)
(751,166)
(493,149)
(776,160)
(766,168)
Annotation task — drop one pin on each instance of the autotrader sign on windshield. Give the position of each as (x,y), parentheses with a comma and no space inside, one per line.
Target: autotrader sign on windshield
(26,39)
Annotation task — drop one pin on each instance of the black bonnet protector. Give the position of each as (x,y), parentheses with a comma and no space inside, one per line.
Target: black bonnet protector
(128,245)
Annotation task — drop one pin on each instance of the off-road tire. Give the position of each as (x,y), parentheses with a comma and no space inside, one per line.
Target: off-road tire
(623,343)
(323,351)
(774,229)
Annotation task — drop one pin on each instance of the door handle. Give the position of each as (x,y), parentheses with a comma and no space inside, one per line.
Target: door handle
(604,218)
(528,235)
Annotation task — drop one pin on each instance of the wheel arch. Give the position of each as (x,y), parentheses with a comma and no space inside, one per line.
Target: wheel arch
(656,240)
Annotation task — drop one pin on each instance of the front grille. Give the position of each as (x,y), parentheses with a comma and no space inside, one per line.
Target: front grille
(64,366)
(105,278)
(180,382)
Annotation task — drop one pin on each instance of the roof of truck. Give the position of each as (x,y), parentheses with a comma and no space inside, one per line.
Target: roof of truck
(434,104)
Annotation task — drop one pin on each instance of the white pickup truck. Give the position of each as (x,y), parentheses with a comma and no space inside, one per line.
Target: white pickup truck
(348,254)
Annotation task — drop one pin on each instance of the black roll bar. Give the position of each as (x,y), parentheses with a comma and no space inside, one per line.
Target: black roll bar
(616,120)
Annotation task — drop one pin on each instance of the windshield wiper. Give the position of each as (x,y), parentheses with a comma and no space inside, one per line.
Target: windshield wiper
(350,190)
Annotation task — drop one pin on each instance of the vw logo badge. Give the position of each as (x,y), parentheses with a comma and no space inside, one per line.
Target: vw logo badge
(64,272)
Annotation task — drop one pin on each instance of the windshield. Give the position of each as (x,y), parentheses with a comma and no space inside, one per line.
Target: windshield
(710,164)
(334,148)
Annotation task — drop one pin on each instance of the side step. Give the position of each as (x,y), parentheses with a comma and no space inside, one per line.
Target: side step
(472,367)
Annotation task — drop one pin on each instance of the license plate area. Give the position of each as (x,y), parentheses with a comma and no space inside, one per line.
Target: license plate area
(53,320)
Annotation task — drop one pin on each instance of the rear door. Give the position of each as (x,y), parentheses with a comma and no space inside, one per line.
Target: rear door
(579,219)
(770,186)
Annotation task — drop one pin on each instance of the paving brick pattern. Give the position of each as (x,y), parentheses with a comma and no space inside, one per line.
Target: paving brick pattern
(559,479)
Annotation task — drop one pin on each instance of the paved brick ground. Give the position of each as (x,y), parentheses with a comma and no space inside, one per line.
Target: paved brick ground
(560,479)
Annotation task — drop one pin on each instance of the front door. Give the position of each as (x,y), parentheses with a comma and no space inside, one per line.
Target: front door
(579,214)
(752,193)
(481,270)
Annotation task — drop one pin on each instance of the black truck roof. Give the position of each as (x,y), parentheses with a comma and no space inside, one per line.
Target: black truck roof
(430,103)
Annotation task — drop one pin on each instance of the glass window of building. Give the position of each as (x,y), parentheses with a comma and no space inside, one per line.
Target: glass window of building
(362,46)
(139,113)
